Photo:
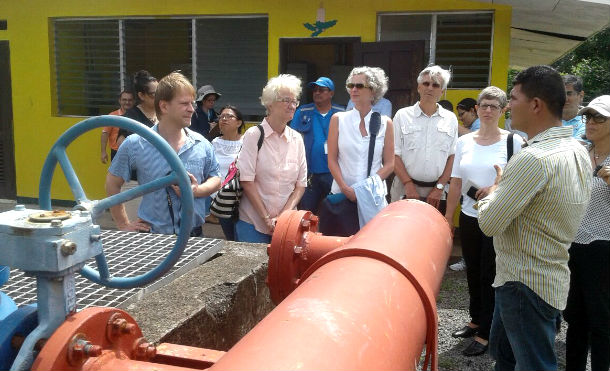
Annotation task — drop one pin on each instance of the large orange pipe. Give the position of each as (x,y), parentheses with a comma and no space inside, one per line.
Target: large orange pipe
(365,305)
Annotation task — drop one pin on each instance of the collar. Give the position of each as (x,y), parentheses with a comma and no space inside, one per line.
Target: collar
(574,120)
(288,134)
(191,137)
(551,133)
(418,111)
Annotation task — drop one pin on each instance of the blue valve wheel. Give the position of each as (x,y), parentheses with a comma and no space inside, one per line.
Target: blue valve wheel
(178,175)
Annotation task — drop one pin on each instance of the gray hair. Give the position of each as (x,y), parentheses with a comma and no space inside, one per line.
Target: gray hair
(493,93)
(375,78)
(573,80)
(271,91)
(437,74)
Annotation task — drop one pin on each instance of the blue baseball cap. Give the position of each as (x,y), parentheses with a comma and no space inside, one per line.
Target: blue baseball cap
(324,82)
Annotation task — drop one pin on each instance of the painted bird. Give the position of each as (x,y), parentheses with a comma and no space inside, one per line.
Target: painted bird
(319,27)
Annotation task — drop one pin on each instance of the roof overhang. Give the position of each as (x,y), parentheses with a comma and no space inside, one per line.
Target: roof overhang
(542,31)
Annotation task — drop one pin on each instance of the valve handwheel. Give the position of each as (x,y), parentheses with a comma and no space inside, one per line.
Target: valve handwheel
(178,175)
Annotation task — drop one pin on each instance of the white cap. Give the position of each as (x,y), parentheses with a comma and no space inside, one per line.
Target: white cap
(600,105)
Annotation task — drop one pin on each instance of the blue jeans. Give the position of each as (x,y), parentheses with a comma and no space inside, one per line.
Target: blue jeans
(315,192)
(245,232)
(523,330)
(208,203)
(228,228)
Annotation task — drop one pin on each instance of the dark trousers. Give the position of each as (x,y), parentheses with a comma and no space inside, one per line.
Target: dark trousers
(588,309)
(480,258)
(228,228)
(523,330)
(318,188)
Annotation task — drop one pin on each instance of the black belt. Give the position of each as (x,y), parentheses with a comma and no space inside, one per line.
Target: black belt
(424,184)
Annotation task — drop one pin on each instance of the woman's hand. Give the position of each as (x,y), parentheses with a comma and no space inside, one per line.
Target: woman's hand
(486,191)
(604,173)
(270,222)
(349,193)
(483,192)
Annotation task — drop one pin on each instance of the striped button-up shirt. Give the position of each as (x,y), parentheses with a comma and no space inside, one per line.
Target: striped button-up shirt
(535,213)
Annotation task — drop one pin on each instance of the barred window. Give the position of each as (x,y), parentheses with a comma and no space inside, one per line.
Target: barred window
(458,41)
(94,59)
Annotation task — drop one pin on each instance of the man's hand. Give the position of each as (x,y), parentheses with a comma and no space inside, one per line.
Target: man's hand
(486,191)
(411,191)
(194,185)
(434,197)
(604,173)
(104,157)
(135,226)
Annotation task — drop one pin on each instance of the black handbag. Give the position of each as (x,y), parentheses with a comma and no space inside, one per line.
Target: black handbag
(338,215)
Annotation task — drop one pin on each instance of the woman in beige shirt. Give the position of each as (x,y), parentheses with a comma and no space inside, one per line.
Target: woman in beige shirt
(274,177)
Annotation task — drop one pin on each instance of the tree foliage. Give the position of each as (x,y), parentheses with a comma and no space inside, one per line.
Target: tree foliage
(591,61)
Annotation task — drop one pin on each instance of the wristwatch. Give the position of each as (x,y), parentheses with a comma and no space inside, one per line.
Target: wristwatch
(439,186)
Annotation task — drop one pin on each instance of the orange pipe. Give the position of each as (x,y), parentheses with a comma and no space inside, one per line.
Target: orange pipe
(366,305)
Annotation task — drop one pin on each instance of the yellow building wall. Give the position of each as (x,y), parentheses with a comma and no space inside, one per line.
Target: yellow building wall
(30,39)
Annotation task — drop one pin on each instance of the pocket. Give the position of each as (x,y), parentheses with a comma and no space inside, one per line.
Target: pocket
(413,136)
(446,136)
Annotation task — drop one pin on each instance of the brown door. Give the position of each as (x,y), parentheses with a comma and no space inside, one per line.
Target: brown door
(401,60)
(7,158)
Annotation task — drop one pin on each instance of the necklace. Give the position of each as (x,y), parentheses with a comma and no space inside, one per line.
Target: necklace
(597,156)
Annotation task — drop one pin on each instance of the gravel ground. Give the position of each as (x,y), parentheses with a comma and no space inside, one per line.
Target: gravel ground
(452,305)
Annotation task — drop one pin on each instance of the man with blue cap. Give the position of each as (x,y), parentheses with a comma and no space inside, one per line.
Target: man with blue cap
(312,121)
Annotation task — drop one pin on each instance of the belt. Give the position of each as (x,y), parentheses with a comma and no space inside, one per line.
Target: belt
(424,184)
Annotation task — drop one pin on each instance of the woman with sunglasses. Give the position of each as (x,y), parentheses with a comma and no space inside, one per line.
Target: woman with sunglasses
(226,149)
(144,87)
(588,309)
(473,172)
(349,135)
(273,176)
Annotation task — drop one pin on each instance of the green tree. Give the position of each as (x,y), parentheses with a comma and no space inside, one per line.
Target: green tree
(591,61)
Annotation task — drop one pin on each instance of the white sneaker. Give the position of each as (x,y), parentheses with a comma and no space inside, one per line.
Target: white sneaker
(459,266)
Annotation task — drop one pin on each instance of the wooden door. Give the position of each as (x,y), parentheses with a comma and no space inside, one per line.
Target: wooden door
(402,61)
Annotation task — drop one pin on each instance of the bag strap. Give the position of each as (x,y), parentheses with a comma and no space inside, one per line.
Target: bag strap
(171,209)
(374,124)
(509,147)
(261,137)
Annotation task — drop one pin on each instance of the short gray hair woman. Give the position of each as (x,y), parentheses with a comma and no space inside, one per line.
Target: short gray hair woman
(273,176)
(347,152)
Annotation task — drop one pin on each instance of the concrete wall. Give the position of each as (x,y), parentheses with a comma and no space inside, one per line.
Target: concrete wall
(212,306)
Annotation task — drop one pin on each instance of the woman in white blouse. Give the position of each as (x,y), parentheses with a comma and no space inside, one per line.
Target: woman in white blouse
(226,149)
(476,155)
(348,134)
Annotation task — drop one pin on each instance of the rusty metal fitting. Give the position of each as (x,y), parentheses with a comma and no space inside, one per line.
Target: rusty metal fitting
(118,326)
(143,350)
(80,349)
(68,248)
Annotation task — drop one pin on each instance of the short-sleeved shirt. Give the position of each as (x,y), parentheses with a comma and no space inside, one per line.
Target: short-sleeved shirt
(578,126)
(535,212)
(313,125)
(353,156)
(424,143)
(595,224)
(136,153)
(276,169)
(226,152)
(476,125)
(135,113)
(474,164)
(113,131)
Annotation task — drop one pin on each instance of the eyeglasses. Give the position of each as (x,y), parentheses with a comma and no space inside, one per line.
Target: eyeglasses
(227,116)
(435,85)
(597,118)
(320,89)
(289,101)
(493,107)
(359,85)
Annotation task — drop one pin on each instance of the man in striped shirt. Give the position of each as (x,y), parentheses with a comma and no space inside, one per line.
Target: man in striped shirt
(533,214)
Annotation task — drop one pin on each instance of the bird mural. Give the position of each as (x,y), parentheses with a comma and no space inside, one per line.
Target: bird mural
(319,27)
(320,24)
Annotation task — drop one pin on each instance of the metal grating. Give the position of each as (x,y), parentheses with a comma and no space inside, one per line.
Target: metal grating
(128,254)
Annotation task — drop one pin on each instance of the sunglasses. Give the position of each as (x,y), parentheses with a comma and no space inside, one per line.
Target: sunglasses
(435,85)
(597,118)
(227,116)
(351,85)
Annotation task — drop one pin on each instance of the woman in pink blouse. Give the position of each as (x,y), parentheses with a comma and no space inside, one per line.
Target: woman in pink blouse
(273,177)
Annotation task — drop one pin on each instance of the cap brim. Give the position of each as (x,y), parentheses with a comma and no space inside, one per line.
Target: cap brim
(599,110)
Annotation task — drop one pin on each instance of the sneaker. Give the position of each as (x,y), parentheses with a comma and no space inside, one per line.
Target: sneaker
(459,266)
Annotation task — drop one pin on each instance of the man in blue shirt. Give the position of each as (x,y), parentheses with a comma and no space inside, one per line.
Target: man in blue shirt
(574,98)
(312,121)
(159,211)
